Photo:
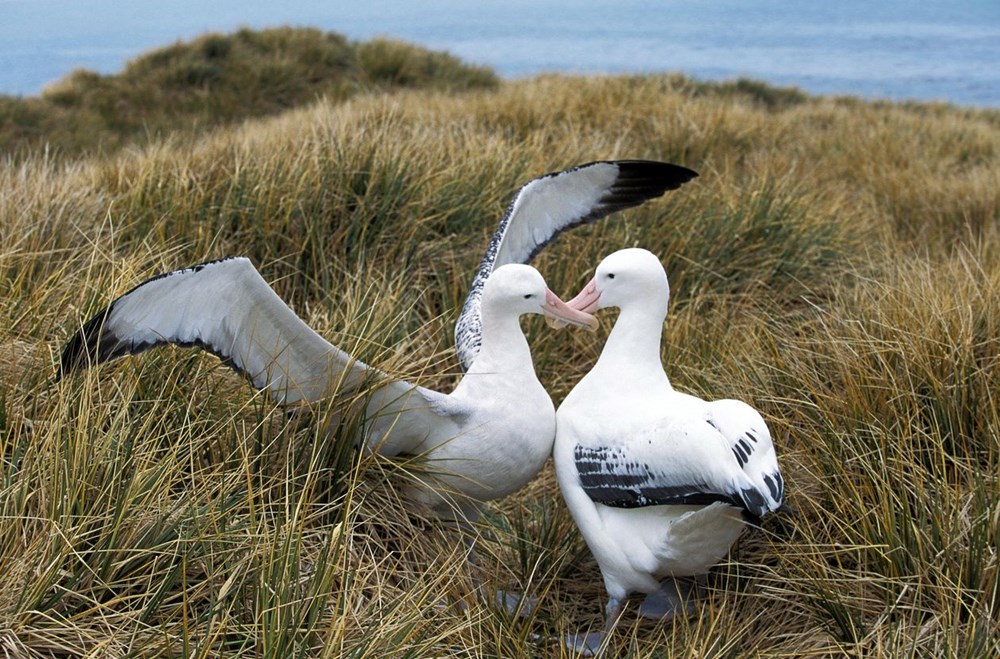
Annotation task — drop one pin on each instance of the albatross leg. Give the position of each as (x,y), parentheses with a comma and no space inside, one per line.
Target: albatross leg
(673,598)
(588,644)
(591,644)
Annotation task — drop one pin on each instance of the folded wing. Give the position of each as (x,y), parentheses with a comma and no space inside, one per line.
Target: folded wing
(683,463)
(750,441)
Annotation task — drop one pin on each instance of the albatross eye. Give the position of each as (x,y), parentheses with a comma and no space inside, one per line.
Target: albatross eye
(528,296)
(611,275)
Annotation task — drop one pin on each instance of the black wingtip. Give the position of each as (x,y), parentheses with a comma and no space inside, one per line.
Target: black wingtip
(93,345)
(653,174)
(88,346)
(751,519)
(639,181)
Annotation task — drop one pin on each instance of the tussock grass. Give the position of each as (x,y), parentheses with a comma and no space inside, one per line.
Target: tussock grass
(836,265)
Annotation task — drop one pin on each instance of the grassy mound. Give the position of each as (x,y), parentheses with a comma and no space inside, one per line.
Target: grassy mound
(836,264)
(219,79)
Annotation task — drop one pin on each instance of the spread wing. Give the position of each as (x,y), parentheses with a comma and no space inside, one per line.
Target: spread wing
(556,202)
(680,463)
(226,308)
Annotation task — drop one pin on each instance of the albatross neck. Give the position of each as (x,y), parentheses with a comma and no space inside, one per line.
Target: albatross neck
(504,347)
(633,346)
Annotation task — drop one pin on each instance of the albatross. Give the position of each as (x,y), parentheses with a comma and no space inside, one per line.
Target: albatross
(489,436)
(659,482)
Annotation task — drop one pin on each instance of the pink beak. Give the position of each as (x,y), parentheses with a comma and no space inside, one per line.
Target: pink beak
(559,314)
(588,299)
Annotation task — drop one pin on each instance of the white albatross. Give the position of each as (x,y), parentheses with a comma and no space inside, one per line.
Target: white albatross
(492,434)
(660,483)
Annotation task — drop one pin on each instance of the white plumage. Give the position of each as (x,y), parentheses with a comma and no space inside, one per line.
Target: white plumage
(660,483)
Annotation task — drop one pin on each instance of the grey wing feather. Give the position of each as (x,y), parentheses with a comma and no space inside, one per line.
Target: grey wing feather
(608,477)
(399,421)
(551,204)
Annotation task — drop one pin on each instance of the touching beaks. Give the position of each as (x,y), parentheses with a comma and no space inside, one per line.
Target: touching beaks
(558,314)
(587,299)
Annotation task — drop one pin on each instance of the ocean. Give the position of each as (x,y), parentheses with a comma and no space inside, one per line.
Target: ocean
(940,50)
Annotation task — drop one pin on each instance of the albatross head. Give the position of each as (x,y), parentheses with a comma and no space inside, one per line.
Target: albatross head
(516,289)
(625,278)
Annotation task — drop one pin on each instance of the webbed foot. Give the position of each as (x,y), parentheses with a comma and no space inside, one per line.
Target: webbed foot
(672,599)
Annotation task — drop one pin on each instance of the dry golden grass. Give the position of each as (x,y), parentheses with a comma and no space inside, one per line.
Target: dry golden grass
(837,264)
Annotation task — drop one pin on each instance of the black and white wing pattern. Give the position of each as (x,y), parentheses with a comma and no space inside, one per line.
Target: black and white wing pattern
(226,308)
(680,463)
(551,204)
(750,441)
